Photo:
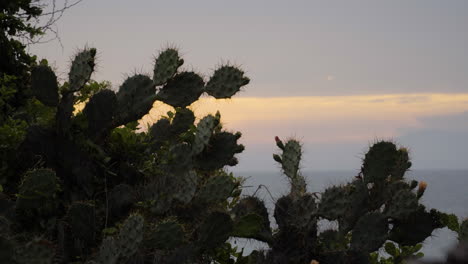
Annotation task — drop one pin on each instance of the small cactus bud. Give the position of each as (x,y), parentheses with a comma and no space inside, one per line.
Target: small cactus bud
(277,158)
(279,143)
(421,188)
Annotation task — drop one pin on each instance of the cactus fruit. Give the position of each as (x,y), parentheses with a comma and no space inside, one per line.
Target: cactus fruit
(225,82)
(166,65)
(81,69)
(44,85)
(134,99)
(421,189)
(182,90)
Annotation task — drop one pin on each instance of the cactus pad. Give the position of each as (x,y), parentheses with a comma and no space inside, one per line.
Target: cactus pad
(131,235)
(166,65)
(37,192)
(167,235)
(135,98)
(203,134)
(369,233)
(182,90)
(44,85)
(81,69)
(223,147)
(100,112)
(225,82)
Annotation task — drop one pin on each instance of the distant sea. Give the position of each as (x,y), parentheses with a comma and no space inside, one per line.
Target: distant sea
(447,191)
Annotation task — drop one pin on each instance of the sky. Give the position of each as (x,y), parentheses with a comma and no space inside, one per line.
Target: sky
(337,75)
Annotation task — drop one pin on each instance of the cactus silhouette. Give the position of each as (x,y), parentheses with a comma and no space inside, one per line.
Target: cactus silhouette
(93,189)
(376,207)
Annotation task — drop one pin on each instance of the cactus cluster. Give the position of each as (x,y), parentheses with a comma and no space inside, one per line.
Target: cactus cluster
(376,207)
(94,189)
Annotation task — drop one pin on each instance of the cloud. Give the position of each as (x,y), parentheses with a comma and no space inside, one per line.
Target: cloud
(321,119)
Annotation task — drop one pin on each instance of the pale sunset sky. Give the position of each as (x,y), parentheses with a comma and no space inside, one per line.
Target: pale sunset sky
(336,75)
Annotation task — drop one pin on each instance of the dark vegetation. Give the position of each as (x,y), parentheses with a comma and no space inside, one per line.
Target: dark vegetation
(89,187)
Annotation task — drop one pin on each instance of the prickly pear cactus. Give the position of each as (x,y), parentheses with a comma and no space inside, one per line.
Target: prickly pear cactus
(102,189)
(376,207)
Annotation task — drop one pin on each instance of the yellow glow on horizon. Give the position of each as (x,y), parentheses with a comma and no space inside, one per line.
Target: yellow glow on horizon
(376,115)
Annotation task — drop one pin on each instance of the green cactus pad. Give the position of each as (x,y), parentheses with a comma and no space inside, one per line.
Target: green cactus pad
(7,250)
(291,158)
(335,202)
(379,162)
(81,217)
(402,164)
(182,90)
(223,147)
(135,98)
(100,111)
(44,85)
(216,189)
(167,235)
(182,121)
(225,82)
(37,192)
(185,186)
(215,230)
(36,252)
(402,204)
(121,198)
(203,134)
(298,213)
(370,232)
(166,65)
(181,158)
(81,69)
(463,233)
(251,219)
(416,228)
(109,252)
(160,132)
(131,235)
